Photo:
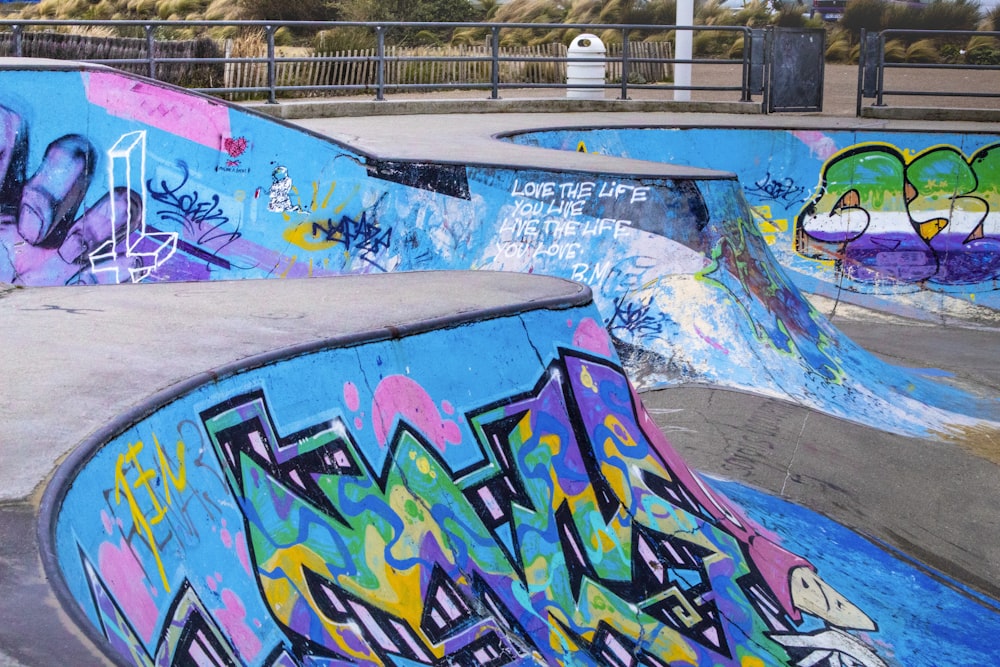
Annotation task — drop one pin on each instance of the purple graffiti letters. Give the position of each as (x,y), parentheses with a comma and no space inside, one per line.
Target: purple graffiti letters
(888,218)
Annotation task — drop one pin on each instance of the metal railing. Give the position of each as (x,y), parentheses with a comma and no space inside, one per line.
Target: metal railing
(873,65)
(152,61)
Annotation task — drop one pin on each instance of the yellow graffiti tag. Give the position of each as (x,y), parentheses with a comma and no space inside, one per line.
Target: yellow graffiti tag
(291,263)
(133,481)
(303,236)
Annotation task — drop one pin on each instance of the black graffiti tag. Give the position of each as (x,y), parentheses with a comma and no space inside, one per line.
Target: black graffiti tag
(783,190)
(364,236)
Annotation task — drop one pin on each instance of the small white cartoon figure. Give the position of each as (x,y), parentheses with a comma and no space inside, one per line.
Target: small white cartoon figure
(279,200)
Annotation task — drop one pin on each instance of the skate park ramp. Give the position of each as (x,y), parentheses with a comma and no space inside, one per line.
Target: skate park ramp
(903,220)
(464,480)
(154,184)
(149,184)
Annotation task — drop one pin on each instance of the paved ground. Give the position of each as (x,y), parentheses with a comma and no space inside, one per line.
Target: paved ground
(418,135)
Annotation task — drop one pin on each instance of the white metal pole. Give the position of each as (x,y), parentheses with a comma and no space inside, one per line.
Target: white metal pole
(682,71)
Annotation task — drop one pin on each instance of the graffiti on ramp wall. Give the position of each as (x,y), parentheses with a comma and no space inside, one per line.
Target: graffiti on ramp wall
(884,216)
(430,520)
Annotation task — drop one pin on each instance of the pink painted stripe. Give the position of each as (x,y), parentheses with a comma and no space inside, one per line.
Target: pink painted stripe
(196,119)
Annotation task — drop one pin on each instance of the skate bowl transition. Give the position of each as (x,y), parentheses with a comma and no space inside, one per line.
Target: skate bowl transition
(480,489)
(901,221)
(483,486)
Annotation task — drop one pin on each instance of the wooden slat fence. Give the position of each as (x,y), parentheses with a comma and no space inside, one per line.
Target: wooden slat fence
(646,62)
(69,46)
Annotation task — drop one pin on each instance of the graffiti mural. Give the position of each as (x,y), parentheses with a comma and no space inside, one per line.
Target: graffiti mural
(390,505)
(931,217)
(111,202)
(398,525)
(887,214)
(152,184)
(726,307)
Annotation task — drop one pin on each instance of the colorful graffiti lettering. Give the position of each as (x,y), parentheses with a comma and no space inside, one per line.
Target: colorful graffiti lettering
(884,215)
(578,534)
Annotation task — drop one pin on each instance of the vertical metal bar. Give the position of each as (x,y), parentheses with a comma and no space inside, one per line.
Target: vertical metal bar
(758,60)
(380,63)
(768,67)
(745,95)
(150,48)
(625,67)
(861,71)
(18,46)
(495,63)
(272,97)
(880,69)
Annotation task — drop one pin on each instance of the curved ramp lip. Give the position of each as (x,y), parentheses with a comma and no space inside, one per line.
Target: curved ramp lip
(65,473)
(549,160)
(52,65)
(520,157)
(740,123)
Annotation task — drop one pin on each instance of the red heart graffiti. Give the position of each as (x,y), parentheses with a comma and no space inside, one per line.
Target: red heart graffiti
(235,147)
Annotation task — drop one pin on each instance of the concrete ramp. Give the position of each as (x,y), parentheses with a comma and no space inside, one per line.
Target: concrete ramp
(449,486)
(903,218)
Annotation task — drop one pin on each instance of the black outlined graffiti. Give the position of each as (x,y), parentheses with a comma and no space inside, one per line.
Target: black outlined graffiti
(888,217)
(473,603)
(633,317)
(363,236)
(771,189)
(202,220)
